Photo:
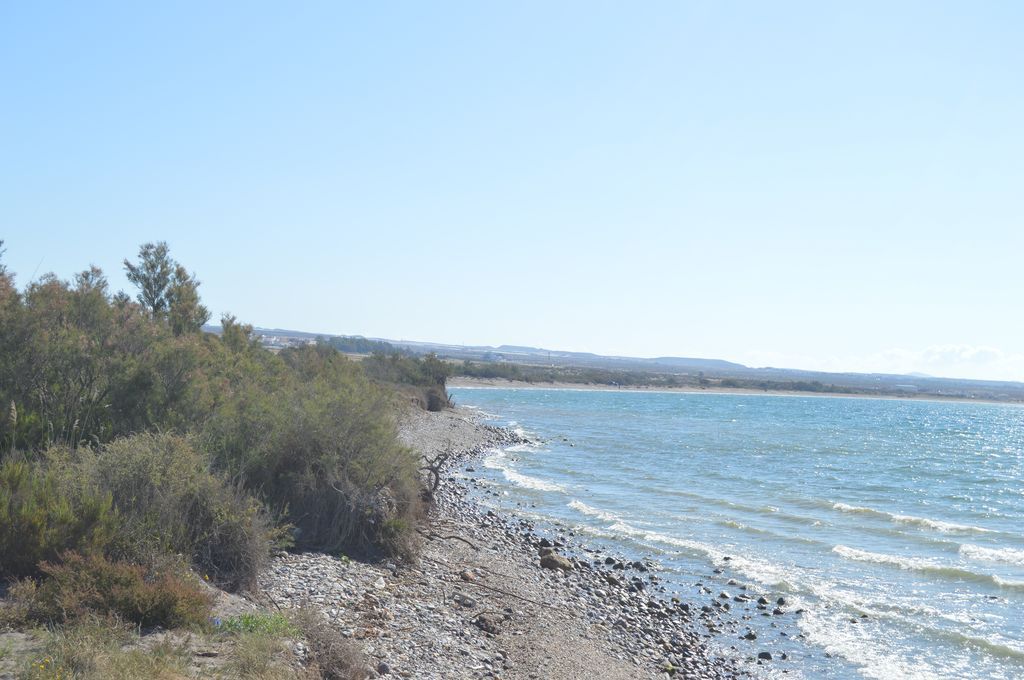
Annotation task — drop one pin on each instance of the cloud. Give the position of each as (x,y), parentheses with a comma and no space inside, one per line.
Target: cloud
(978,362)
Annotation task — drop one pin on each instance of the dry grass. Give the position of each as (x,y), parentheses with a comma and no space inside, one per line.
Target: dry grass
(331,656)
(262,656)
(96,648)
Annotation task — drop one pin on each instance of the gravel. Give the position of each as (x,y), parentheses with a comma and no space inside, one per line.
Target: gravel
(478,604)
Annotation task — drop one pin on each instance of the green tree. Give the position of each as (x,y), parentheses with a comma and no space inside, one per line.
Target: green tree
(166,289)
(185,313)
(152,276)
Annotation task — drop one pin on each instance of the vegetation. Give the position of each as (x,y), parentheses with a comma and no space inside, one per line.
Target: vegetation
(79,587)
(354,344)
(305,437)
(41,517)
(567,374)
(427,375)
(139,455)
(98,648)
(267,624)
(598,376)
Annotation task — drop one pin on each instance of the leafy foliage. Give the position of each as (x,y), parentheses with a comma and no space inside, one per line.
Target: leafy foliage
(320,445)
(80,586)
(41,516)
(86,377)
(259,622)
(429,374)
(354,344)
(169,501)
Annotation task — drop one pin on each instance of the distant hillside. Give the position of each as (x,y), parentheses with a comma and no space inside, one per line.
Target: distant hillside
(536,364)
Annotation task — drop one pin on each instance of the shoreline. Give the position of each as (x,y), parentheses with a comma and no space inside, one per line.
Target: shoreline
(502,383)
(477,602)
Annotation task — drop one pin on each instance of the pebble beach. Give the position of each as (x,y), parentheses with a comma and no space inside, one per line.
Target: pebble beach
(499,597)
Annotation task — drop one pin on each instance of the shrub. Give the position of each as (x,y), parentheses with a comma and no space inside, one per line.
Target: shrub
(42,515)
(322,451)
(81,586)
(170,502)
(262,656)
(437,398)
(330,654)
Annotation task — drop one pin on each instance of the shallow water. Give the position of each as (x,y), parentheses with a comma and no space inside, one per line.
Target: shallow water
(911,512)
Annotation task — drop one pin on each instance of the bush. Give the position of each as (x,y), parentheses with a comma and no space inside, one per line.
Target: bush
(262,656)
(330,654)
(437,399)
(323,451)
(80,586)
(170,501)
(42,515)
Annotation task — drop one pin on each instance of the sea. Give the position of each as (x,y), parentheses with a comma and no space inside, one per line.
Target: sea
(897,526)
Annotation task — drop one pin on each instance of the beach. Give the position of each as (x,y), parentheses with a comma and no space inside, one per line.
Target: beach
(477,603)
(502,383)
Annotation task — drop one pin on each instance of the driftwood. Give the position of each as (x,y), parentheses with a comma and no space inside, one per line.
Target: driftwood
(434,466)
(450,537)
(487,587)
(505,592)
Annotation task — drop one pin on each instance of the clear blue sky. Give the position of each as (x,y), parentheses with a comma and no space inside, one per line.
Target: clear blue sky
(818,185)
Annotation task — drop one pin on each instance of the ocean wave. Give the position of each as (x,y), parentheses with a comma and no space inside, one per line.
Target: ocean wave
(861,646)
(497,461)
(925,566)
(766,573)
(521,448)
(1005,555)
(945,527)
(593,512)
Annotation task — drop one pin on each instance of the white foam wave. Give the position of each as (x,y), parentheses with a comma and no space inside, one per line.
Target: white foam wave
(520,448)
(1007,583)
(593,512)
(924,565)
(498,461)
(860,645)
(764,572)
(938,525)
(1005,555)
(530,482)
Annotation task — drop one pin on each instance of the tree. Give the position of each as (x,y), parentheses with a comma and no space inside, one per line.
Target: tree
(152,276)
(185,313)
(166,289)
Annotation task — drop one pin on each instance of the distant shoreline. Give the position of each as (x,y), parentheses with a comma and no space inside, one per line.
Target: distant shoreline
(502,383)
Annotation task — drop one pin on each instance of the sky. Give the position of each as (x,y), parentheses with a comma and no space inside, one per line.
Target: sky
(834,186)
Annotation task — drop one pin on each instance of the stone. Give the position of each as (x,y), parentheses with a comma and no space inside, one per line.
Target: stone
(554,561)
(765,656)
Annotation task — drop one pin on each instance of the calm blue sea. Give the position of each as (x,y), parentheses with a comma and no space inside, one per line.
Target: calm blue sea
(911,512)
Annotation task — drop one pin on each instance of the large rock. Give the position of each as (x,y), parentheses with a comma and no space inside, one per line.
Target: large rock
(554,561)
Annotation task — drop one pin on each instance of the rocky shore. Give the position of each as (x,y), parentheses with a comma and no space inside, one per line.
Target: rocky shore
(493,596)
